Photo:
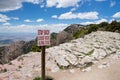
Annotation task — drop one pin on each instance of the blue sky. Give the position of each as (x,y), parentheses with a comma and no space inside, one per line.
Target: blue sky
(31,15)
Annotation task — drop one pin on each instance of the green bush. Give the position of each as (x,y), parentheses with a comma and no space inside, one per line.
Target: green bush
(90,52)
(35,48)
(103,24)
(37,78)
(92,27)
(47,78)
(79,33)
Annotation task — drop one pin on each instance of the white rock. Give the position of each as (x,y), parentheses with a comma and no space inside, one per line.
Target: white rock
(102,54)
(72,71)
(88,69)
(54,69)
(99,53)
(71,58)
(101,66)
(115,57)
(61,61)
(29,75)
(118,52)
(86,59)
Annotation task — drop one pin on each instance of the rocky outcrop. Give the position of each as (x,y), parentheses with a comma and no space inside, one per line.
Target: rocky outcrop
(84,52)
(73,28)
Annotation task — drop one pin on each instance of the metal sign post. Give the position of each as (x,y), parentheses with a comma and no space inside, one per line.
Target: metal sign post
(43,63)
(43,40)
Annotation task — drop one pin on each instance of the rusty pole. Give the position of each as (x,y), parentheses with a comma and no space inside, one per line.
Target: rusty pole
(43,63)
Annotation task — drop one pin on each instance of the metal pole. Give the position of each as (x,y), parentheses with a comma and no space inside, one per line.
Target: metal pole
(43,63)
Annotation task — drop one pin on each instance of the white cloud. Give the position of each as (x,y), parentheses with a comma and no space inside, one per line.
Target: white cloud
(42,5)
(54,16)
(112,3)
(68,15)
(111,20)
(4,18)
(85,15)
(73,9)
(15,18)
(67,3)
(34,1)
(87,23)
(8,5)
(51,3)
(94,22)
(100,0)
(33,28)
(102,20)
(6,24)
(88,15)
(62,3)
(116,15)
(28,20)
(39,20)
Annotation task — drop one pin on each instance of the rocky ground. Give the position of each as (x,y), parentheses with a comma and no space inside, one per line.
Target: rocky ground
(94,57)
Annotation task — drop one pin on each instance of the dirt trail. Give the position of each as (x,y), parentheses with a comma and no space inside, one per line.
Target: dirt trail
(111,72)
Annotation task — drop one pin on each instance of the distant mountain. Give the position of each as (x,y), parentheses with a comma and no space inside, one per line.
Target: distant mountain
(9,38)
(6,41)
(8,53)
(73,28)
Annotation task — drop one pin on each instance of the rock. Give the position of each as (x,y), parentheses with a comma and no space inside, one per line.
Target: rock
(99,53)
(88,69)
(71,58)
(86,59)
(29,75)
(115,57)
(103,65)
(61,61)
(52,66)
(17,75)
(1,67)
(55,69)
(72,71)
(90,49)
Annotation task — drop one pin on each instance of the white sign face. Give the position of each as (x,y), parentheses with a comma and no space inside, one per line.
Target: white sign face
(43,38)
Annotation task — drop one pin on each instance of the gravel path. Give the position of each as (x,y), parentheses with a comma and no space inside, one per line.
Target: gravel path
(111,72)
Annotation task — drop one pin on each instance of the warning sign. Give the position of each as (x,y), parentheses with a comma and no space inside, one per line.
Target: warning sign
(43,37)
